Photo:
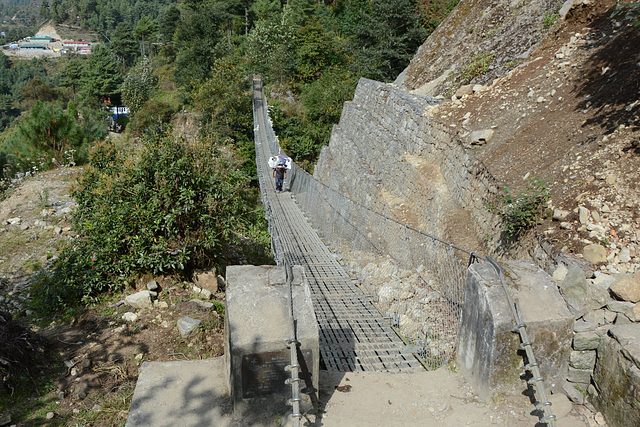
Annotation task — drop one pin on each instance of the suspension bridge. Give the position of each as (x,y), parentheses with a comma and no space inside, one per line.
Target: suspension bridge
(354,336)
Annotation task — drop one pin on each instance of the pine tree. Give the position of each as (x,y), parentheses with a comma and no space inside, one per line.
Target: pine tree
(44,14)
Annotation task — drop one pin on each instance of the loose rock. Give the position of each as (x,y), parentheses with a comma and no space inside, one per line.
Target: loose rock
(141,299)
(129,317)
(595,254)
(627,288)
(187,325)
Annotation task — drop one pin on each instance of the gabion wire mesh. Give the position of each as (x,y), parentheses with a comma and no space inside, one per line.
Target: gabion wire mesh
(416,279)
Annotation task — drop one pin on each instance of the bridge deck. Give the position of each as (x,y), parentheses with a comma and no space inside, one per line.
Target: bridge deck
(353,334)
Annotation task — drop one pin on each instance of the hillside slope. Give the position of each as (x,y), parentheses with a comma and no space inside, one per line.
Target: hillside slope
(568,113)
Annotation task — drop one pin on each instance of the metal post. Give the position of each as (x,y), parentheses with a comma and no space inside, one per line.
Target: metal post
(294,367)
(537,381)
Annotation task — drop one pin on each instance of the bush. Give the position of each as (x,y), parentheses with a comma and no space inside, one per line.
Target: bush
(522,212)
(171,209)
(151,114)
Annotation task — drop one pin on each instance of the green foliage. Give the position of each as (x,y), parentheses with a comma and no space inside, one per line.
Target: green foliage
(14,76)
(71,74)
(478,67)
(173,208)
(522,212)
(138,85)
(145,29)
(549,19)
(434,12)
(197,37)
(101,75)
(627,10)
(387,37)
(303,135)
(49,131)
(37,90)
(123,44)
(225,105)
(152,113)
(270,47)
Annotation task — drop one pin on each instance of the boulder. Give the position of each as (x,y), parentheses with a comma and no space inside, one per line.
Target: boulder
(140,299)
(621,319)
(222,284)
(583,295)
(595,254)
(152,286)
(480,137)
(585,326)
(14,221)
(582,376)
(619,306)
(582,359)
(573,394)
(202,304)
(627,287)
(634,313)
(560,273)
(583,214)
(625,255)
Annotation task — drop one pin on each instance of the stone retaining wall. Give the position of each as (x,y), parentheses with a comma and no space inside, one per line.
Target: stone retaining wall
(388,154)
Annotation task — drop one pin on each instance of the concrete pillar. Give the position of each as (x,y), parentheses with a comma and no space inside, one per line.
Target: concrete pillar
(257,329)
(488,352)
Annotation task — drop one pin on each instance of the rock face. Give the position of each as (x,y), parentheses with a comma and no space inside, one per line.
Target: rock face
(488,347)
(520,29)
(436,185)
(617,376)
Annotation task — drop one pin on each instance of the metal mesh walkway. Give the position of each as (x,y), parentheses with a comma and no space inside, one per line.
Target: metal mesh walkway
(353,334)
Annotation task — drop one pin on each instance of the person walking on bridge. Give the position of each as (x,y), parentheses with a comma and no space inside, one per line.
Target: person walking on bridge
(280,173)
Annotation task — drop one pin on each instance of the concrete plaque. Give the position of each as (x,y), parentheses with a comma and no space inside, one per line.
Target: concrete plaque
(263,374)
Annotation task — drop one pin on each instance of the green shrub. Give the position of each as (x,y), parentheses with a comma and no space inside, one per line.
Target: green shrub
(151,114)
(549,19)
(478,67)
(50,131)
(169,208)
(522,212)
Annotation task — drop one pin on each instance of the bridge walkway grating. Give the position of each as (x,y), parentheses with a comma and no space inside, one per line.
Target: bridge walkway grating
(353,334)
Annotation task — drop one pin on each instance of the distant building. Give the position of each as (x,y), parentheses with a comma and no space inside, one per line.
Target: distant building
(40,39)
(75,44)
(84,50)
(33,47)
